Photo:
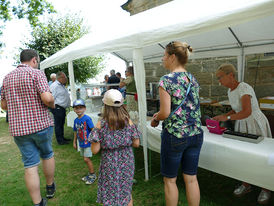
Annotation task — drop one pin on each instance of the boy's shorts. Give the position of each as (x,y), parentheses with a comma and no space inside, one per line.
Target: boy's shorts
(180,151)
(86,152)
(34,146)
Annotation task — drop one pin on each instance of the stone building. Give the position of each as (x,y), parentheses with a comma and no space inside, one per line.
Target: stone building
(259,68)
(259,71)
(137,6)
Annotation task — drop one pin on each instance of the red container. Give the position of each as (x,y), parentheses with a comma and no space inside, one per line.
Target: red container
(214,127)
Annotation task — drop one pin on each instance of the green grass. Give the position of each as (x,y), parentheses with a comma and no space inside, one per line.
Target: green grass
(216,190)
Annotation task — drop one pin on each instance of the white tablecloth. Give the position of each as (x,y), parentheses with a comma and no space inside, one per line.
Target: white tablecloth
(249,162)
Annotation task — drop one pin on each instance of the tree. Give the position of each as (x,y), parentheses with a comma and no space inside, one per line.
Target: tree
(56,34)
(30,9)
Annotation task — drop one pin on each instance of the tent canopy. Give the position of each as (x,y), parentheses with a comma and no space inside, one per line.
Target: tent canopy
(213,28)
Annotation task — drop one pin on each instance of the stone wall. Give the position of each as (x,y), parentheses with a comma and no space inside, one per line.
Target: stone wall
(259,74)
(259,70)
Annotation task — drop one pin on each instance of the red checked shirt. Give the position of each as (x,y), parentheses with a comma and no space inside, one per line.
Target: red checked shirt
(21,89)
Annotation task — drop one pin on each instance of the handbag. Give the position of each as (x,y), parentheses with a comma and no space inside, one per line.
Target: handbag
(187,92)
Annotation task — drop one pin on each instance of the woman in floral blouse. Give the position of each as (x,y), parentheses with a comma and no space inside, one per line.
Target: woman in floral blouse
(182,135)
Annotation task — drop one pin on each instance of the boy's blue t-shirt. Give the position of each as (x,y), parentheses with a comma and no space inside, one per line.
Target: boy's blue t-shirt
(83,127)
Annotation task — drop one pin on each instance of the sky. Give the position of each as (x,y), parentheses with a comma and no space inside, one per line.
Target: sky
(98,14)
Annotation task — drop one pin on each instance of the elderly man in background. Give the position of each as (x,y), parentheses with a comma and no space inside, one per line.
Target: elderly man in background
(62,101)
(26,95)
(53,78)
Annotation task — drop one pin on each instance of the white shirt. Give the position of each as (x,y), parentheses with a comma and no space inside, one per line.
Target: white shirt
(256,123)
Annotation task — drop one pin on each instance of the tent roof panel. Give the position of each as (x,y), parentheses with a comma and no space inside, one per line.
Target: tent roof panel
(251,20)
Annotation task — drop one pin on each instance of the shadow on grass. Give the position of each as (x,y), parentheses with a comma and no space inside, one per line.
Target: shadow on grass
(216,190)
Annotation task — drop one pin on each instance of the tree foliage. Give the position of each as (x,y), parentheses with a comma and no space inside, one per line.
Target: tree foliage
(58,33)
(30,9)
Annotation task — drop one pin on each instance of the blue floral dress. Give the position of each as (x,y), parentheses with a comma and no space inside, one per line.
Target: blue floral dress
(186,121)
(117,163)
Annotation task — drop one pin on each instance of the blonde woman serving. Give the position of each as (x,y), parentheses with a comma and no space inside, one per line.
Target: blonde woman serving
(182,135)
(249,118)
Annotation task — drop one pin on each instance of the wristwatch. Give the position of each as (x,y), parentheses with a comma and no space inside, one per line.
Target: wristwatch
(228,117)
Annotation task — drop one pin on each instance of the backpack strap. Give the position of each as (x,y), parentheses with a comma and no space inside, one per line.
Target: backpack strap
(187,92)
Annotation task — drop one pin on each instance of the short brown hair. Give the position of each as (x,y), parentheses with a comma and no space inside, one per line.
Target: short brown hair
(27,54)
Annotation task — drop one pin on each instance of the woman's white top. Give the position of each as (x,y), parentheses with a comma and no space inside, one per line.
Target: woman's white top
(257,122)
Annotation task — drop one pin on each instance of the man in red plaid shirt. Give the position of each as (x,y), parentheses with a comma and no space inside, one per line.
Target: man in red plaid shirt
(26,96)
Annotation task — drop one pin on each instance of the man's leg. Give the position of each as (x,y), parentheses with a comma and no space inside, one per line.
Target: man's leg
(63,120)
(48,169)
(33,183)
(58,114)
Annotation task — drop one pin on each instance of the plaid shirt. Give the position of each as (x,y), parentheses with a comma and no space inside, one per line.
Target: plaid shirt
(21,89)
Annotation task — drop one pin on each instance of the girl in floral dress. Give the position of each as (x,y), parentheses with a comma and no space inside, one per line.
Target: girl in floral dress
(115,135)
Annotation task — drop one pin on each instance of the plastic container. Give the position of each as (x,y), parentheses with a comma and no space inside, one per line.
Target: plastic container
(214,127)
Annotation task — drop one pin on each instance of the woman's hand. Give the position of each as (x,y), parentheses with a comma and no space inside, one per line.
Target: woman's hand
(154,122)
(221,118)
(155,115)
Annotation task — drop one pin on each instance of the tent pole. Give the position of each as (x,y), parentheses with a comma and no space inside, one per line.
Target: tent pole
(140,78)
(71,81)
(241,65)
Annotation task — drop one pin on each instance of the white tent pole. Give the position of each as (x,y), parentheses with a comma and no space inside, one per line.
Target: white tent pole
(243,65)
(140,78)
(71,81)
(240,64)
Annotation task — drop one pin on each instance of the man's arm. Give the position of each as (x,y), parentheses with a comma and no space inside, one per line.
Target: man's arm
(4,105)
(47,99)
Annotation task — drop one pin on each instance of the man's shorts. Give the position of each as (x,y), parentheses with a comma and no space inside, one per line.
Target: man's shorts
(34,146)
(86,152)
(180,151)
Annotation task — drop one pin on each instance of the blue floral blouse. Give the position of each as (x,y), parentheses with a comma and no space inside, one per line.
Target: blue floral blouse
(186,121)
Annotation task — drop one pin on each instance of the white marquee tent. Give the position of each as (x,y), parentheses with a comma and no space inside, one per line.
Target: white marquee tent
(213,28)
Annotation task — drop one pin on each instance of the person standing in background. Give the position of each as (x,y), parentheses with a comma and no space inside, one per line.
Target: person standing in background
(62,101)
(131,91)
(26,95)
(118,74)
(113,79)
(104,89)
(121,89)
(53,78)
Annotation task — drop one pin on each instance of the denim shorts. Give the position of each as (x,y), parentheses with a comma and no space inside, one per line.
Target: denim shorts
(180,151)
(34,146)
(86,152)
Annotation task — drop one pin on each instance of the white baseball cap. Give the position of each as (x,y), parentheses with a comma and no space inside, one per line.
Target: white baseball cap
(113,98)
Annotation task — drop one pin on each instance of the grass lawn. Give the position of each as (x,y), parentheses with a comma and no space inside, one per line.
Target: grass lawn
(216,190)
